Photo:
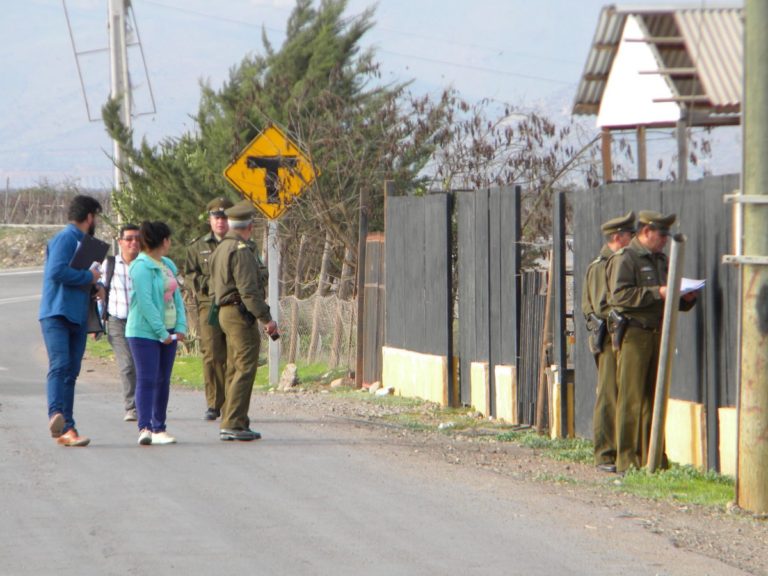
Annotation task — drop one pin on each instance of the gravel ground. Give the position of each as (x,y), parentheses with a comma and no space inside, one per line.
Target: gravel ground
(410,432)
(732,536)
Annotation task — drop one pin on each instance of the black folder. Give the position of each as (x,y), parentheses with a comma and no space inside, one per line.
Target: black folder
(89,251)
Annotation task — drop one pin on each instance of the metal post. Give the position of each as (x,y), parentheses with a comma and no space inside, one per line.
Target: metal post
(666,352)
(682,149)
(751,487)
(362,236)
(559,310)
(273,265)
(120,87)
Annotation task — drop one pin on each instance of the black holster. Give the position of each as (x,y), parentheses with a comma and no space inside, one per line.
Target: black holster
(617,326)
(598,329)
(213,315)
(250,319)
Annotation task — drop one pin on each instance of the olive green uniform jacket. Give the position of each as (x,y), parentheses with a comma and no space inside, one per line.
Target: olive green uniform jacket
(634,276)
(237,274)
(594,300)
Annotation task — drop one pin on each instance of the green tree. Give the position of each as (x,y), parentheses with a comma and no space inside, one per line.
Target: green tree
(325,93)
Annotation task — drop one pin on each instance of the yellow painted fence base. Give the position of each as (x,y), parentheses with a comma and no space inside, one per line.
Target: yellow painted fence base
(413,374)
(425,376)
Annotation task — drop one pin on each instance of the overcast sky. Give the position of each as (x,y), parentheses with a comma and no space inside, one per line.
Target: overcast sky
(525,52)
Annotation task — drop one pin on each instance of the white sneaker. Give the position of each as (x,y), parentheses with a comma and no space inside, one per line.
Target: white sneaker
(162,438)
(130,415)
(145,437)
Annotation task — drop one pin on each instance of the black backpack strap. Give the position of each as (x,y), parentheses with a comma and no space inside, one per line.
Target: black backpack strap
(108,274)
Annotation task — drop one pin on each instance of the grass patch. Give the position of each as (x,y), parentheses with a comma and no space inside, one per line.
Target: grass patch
(561,449)
(188,372)
(424,416)
(98,348)
(682,484)
(554,478)
(188,369)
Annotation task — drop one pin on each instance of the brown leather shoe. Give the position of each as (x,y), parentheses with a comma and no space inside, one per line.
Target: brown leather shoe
(71,438)
(56,424)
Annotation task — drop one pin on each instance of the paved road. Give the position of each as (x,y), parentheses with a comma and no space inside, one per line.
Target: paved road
(311,498)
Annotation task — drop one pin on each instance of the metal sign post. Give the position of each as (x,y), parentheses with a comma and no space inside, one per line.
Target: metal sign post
(271,172)
(273,265)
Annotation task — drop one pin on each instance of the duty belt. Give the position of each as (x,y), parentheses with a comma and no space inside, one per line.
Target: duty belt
(637,324)
(231,300)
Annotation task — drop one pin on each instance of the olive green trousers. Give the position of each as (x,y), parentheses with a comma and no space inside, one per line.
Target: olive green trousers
(213,346)
(604,415)
(242,359)
(637,363)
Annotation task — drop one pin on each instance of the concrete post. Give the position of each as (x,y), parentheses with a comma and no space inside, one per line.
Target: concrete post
(120,87)
(666,352)
(751,487)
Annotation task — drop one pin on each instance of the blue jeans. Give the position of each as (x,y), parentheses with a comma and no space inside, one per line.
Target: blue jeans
(154,362)
(65,343)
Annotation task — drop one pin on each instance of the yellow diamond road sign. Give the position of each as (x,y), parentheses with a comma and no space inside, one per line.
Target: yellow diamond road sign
(271,172)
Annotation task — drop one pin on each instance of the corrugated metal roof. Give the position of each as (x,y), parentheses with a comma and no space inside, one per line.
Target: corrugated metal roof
(701,48)
(715,43)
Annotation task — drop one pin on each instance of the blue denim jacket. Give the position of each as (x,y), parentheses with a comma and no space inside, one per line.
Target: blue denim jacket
(145,315)
(66,291)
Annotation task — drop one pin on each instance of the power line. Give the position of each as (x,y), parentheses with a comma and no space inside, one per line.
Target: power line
(207,16)
(480,68)
(497,51)
(408,56)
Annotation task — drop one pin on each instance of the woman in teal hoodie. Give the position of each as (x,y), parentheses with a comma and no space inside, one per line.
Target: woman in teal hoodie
(156,324)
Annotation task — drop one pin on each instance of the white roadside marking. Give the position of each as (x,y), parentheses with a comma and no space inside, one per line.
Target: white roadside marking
(24,272)
(17,299)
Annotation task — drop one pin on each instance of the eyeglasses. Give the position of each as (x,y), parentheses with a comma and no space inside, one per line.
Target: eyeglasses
(130,238)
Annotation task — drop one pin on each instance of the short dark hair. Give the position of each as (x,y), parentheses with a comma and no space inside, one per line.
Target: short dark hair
(152,234)
(81,206)
(127,227)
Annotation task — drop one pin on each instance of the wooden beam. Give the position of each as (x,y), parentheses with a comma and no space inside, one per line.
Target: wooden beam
(683,71)
(642,159)
(606,153)
(695,99)
(659,40)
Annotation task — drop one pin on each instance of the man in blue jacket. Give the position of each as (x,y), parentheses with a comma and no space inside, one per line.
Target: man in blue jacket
(67,294)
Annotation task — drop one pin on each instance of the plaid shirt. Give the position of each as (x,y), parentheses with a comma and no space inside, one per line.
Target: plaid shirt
(120,290)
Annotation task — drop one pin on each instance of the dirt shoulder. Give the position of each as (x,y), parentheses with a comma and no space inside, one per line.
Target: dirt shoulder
(23,247)
(731,536)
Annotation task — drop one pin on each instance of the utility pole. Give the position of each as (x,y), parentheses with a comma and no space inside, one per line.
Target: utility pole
(361,246)
(273,266)
(751,487)
(120,87)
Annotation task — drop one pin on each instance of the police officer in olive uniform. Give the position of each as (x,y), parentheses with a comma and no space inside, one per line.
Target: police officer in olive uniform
(637,279)
(618,233)
(212,340)
(239,282)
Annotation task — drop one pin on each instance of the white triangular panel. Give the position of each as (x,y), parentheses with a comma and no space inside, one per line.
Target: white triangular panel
(628,96)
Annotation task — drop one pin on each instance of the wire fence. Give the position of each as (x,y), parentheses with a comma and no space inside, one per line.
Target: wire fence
(318,329)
